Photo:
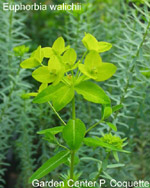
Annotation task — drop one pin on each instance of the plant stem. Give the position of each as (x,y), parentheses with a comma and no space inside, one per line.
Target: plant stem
(73,109)
(56,113)
(72,152)
(72,164)
(98,175)
(94,125)
(62,146)
(77,74)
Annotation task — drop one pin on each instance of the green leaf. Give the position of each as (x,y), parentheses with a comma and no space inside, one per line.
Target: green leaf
(48,52)
(92,61)
(106,175)
(62,97)
(42,87)
(32,94)
(56,69)
(106,112)
(115,154)
(112,126)
(29,63)
(20,50)
(54,65)
(95,142)
(92,92)
(53,131)
(67,47)
(146,72)
(104,46)
(104,164)
(115,165)
(38,54)
(90,42)
(47,94)
(25,96)
(59,94)
(50,165)
(59,45)
(73,133)
(69,58)
(117,107)
(94,68)
(91,159)
(43,75)
(105,71)
(50,138)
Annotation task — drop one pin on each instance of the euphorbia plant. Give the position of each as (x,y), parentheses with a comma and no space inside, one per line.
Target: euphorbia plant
(60,79)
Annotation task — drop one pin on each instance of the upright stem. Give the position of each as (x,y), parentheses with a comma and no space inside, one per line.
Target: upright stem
(72,152)
(73,109)
(72,164)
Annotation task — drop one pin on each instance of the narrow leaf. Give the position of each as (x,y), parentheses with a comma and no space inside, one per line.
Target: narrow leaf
(54,130)
(115,165)
(117,107)
(50,165)
(112,126)
(116,156)
(106,175)
(91,159)
(106,112)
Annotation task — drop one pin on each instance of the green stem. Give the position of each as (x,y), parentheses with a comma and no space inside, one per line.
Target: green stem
(73,109)
(94,125)
(72,164)
(62,145)
(84,56)
(78,71)
(72,152)
(56,113)
(98,175)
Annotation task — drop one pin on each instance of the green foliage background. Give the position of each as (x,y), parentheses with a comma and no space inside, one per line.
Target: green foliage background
(123,23)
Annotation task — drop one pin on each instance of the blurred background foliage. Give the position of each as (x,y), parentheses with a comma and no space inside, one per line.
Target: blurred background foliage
(124,23)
